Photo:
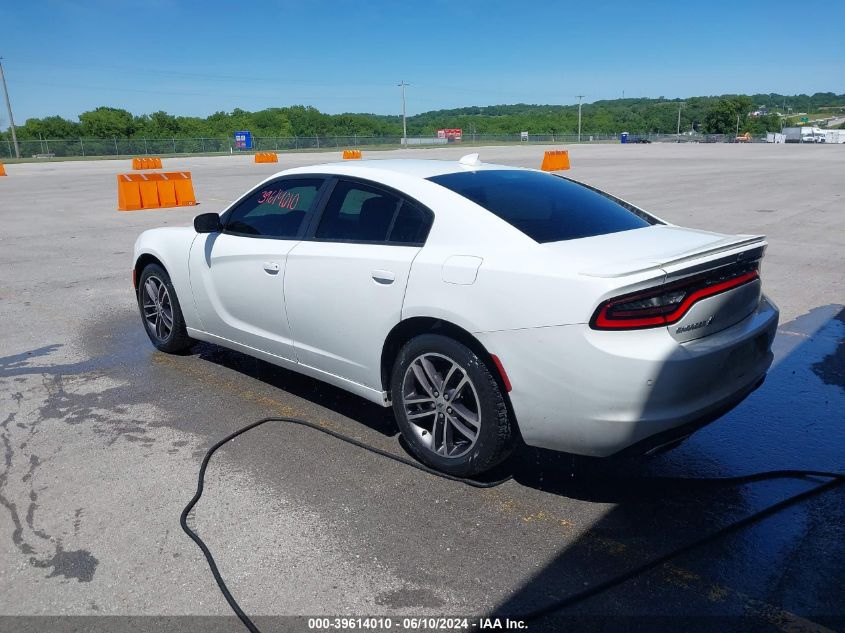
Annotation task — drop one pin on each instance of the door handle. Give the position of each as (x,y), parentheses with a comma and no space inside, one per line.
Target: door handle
(383,277)
(271,268)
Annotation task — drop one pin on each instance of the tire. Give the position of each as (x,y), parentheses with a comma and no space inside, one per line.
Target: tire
(438,427)
(160,311)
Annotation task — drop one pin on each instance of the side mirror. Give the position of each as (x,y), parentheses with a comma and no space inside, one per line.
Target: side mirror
(207,223)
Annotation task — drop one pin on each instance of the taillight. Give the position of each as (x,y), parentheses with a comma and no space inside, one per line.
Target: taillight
(668,304)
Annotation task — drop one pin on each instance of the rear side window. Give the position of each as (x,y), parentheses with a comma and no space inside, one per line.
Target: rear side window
(546,208)
(356,212)
(279,209)
(411,225)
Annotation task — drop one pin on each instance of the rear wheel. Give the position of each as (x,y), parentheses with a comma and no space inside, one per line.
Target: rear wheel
(160,310)
(449,406)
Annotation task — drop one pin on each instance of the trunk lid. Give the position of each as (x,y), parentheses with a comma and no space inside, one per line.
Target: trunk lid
(677,253)
(675,250)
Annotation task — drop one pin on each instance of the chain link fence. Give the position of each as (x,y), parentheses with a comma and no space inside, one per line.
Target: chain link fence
(123,147)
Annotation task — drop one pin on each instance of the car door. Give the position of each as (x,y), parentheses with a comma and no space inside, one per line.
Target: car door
(345,283)
(237,275)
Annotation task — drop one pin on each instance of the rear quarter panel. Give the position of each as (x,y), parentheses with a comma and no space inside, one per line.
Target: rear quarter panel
(521,287)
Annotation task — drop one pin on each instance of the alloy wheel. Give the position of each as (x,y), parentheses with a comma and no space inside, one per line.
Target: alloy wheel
(157,307)
(441,404)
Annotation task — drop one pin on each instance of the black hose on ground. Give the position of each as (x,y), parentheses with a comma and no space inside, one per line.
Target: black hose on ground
(836,479)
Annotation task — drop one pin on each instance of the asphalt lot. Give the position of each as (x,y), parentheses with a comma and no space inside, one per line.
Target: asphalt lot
(103,436)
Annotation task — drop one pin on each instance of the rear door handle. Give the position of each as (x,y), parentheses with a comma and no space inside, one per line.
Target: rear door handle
(271,268)
(384,277)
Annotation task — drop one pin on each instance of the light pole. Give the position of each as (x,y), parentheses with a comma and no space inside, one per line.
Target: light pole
(678,133)
(681,104)
(579,115)
(402,85)
(9,108)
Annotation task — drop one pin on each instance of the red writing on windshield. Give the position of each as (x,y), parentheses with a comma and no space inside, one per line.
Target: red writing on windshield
(285,199)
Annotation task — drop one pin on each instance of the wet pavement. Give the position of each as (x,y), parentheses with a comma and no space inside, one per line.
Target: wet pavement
(102,438)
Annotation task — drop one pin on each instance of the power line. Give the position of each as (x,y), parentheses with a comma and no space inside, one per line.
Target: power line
(113,88)
(135,70)
(9,108)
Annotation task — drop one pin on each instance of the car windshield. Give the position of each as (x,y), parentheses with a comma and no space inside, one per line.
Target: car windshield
(545,207)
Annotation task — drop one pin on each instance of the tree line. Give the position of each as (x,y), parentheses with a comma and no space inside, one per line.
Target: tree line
(709,115)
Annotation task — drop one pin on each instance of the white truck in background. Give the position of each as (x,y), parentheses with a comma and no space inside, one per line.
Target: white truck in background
(805,134)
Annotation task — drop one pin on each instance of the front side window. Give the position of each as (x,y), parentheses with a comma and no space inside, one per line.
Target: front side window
(546,208)
(279,209)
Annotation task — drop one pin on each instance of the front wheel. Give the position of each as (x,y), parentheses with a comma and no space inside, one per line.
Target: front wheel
(160,311)
(449,406)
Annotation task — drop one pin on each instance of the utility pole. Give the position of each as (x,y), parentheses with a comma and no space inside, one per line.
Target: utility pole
(737,125)
(9,108)
(678,139)
(402,85)
(579,115)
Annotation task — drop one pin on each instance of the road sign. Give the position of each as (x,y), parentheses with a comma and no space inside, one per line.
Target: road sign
(243,139)
(804,119)
(452,134)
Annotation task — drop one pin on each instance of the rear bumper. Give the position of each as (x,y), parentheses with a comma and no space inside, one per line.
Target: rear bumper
(598,393)
(670,438)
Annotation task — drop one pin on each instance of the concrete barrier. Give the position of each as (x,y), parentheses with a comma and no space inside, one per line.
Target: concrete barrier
(149,162)
(266,157)
(351,154)
(155,191)
(555,160)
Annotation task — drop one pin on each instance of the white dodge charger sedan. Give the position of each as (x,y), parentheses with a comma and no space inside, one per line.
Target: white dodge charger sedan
(484,303)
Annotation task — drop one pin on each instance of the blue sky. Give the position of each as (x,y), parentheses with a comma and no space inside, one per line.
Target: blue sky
(64,57)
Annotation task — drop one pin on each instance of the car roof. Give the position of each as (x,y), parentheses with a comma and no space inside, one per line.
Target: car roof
(420,168)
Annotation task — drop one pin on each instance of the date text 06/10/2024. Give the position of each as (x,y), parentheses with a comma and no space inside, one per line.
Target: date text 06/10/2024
(416,624)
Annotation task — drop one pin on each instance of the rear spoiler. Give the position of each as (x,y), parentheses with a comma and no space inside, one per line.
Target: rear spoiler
(731,249)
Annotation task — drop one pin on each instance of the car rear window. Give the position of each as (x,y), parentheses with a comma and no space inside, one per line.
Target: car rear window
(545,207)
